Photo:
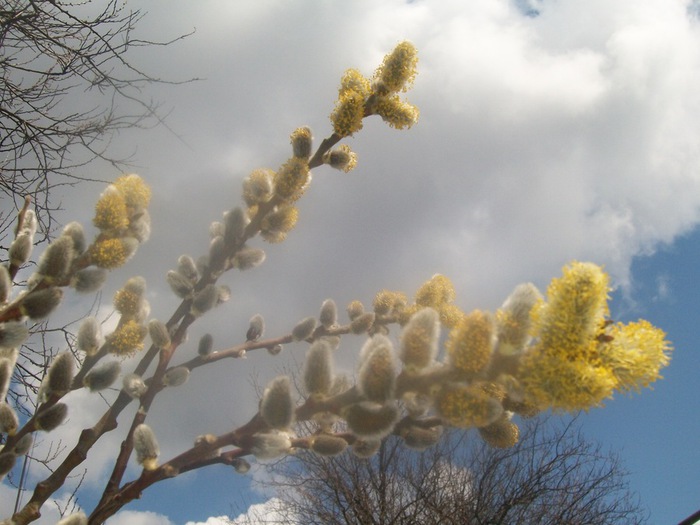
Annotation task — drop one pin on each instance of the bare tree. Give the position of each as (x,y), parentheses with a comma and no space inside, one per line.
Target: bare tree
(66,86)
(553,475)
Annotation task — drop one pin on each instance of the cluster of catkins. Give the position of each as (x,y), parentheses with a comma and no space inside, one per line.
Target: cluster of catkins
(68,261)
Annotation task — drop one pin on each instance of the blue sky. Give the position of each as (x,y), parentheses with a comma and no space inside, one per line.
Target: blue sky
(568,135)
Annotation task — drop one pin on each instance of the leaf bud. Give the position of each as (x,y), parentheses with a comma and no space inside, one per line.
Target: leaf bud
(102,376)
(187,268)
(247,258)
(329,314)
(302,142)
(327,445)
(362,323)
(20,249)
(179,284)
(366,448)
(204,300)
(304,329)
(59,376)
(274,349)
(270,445)
(176,376)
(206,343)
(77,518)
(240,465)
(369,420)
(277,405)
(40,303)
(235,222)
(419,340)
(134,385)
(52,417)
(341,158)
(88,280)
(12,334)
(74,230)
(377,374)
(318,369)
(7,461)
(159,333)
(146,447)
(8,419)
(89,337)
(256,328)
(5,284)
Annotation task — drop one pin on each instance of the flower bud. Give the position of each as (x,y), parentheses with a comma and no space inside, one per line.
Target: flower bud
(248,258)
(6,366)
(179,284)
(235,222)
(52,417)
(419,340)
(362,323)
(89,280)
(369,420)
(176,376)
(40,303)
(5,284)
(377,374)
(206,343)
(59,377)
(241,465)
(90,336)
(304,329)
(20,249)
(134,386)
(8,419)
(77,518)
(256,328)
(329,314)
(302,142)
(270,445)
(318,369)
(204,300)
(102,376)
(327,445)
(12,334)
(159,333)
(187,268)
(146,447)
(7,461)
(341,158)
(277,405)
(74,230)
(274,349)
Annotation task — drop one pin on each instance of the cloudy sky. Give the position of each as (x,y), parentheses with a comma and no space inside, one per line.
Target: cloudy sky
(549,131)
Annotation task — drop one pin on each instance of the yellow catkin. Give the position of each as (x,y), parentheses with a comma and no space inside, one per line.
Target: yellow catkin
(136,192)
(466,406)
(292,178)
(353,80)
(127,339)
(470,343)
(398,70)
(501,434)
(435,292)
(396,112)
(386,301)
(348,113)
(111,212)
(110,253)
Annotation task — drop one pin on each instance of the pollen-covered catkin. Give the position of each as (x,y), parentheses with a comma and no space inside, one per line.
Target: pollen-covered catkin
(419,340)
(102,376)
(146,447)
(277,405)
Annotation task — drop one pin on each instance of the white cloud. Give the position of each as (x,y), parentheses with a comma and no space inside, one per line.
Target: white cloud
(130,517)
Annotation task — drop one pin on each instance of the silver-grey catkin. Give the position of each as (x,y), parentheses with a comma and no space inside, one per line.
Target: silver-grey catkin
(217,255)
(277,405)
(326,445)
(419,340)
(223,294)
(176,376)
(206,344)
(240,465)
(304,329)
(366,448)
(318,369)
(270,445)
(179,284)
(377,374)
(56,259)
(248,258)
(89,338)
(52,417)
(204,300)
(146,447)
(5,284)
(9,422)
(40,303)
(6,367)
(75,231)
(302,142)
(274,349)
(188,268)
(77,518)
(256,328)
(418,438)
(89,280)
(59,377)
(134,385)
(7,461)
(23,445)
(235,222)
(102,376)
(159,333)
(12,334)
(20,249)
(368,420)
(355,309)
(329,314)
(140,227)
(362,323)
